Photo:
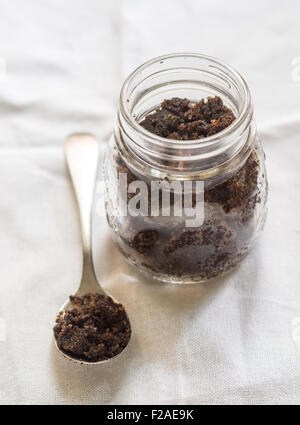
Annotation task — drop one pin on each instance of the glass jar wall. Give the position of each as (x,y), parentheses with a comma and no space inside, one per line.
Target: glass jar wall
(230,165)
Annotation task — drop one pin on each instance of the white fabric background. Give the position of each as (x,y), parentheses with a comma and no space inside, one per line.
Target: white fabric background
(234,340)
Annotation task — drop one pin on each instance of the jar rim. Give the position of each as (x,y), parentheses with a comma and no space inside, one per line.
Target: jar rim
(244,114)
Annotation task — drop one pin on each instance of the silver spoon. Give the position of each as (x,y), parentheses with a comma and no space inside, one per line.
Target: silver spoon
(81,154)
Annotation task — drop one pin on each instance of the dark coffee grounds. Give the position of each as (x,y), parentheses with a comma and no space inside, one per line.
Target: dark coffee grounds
(95,329)
(183,120)
(144,240)
(166,248)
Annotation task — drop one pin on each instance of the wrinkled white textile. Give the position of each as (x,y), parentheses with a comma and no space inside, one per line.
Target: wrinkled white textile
(235,340)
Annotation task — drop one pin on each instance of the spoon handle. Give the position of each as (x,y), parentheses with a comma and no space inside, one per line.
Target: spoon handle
(81,154)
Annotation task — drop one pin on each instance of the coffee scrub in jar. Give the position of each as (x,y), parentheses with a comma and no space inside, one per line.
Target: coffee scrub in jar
(186,186)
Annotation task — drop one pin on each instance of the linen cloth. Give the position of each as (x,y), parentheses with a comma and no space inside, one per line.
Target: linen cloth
(233,340)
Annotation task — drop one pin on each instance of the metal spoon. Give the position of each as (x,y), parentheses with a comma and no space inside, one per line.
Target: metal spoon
(81,154)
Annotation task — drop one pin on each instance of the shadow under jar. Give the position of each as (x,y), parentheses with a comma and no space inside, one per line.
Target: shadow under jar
(230,164)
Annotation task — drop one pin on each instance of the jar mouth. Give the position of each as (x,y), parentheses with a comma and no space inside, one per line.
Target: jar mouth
(227,72)
(186,75)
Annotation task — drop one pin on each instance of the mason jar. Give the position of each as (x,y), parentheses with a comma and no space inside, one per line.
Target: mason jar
(222,176)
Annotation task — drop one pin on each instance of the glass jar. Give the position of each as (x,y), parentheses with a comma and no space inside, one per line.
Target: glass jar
(230,165)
